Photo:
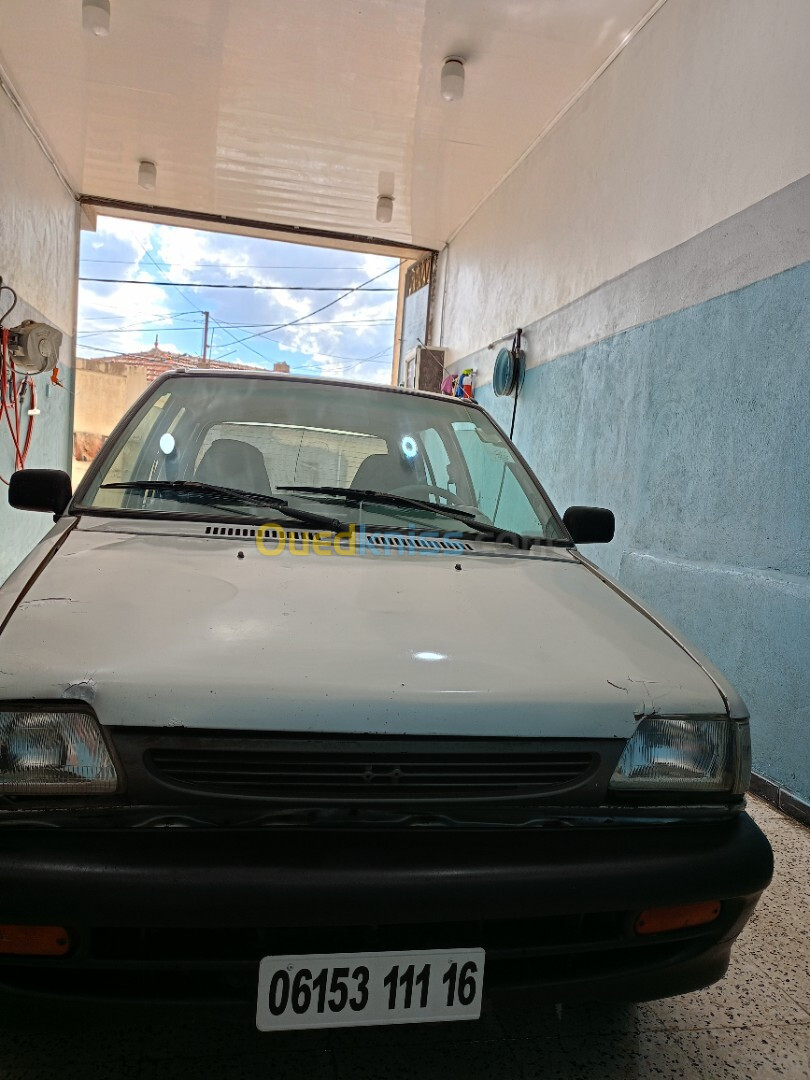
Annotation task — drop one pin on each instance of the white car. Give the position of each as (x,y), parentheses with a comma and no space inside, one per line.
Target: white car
(310,702)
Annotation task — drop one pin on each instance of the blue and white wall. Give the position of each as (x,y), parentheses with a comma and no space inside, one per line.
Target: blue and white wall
(655,247)
(39,236)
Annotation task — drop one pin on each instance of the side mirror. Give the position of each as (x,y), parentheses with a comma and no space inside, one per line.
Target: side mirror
(46,490)
(590,524)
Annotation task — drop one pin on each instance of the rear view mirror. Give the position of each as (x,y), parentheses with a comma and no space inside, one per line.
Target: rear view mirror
(46,490)
(590,524)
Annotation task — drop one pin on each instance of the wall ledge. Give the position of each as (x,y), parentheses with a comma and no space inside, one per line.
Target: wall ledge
(794,582)
(766,239)
(780,797)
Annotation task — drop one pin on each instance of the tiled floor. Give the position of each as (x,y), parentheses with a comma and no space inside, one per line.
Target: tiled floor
(754,1025)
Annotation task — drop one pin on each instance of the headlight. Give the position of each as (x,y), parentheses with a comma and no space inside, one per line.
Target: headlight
(53,753)
(685,755)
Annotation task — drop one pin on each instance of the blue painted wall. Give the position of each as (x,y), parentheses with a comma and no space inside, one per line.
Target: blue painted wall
(694,429)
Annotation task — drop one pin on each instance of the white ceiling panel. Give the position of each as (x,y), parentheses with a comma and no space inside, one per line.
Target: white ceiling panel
(286,111)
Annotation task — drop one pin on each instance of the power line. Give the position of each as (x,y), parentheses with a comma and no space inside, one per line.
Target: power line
(254,288)
(110,351)
(317,311)
(188,299)
(146,313)
(233,339)
(229,266)
(357,359)
(133,327)
(130,329)
(325,322)
(243,341)
(140,330)
(114,351)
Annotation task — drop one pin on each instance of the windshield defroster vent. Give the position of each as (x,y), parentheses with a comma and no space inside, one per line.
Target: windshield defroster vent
(239,532)
(399,542)
(389,541)
(230,530)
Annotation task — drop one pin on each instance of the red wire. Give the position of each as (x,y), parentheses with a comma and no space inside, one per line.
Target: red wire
(30,430)
(3,391)
(8,380)
(8,383)
(3,388)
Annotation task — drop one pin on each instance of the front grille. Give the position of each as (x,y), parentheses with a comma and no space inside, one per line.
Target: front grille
(372,771)
(232,946)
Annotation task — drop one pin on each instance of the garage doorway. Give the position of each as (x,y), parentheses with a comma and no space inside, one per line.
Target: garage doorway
(155,297)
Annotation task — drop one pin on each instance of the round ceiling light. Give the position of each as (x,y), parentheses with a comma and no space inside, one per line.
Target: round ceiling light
(147,175)
(96,17)
(385,208)
(453,78)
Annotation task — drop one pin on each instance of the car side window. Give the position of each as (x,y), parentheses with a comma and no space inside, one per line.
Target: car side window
(124,464)
(498,492)
(437,458)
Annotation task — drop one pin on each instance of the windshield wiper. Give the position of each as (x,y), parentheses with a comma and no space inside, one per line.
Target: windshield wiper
(198,491)
(387,498)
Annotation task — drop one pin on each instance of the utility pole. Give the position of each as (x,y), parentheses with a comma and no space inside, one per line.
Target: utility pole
(205,337)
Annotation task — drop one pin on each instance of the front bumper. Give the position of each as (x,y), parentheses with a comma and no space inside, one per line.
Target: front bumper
(184,913)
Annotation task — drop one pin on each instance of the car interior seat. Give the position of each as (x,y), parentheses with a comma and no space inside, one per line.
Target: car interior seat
(233,463)
(387,472)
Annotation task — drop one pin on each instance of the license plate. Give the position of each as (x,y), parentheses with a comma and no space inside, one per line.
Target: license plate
(360,989)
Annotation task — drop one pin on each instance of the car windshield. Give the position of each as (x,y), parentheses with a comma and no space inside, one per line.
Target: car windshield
(331,455)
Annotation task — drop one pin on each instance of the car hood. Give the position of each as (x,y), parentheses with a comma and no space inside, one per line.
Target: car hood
(157,628)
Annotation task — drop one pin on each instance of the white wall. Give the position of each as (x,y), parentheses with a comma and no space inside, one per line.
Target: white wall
(656,248)
(702,115)
(38,224)
(39,236)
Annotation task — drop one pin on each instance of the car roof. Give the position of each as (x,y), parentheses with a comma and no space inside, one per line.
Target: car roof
(196,373)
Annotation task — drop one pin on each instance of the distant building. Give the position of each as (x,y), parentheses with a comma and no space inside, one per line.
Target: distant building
(106,386)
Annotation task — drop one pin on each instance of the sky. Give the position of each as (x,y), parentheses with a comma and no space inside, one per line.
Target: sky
(351,338)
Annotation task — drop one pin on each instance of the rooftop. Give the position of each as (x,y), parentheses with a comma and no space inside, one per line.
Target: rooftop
(158,361)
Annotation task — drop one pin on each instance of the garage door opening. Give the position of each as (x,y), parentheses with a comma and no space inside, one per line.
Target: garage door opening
(155,297)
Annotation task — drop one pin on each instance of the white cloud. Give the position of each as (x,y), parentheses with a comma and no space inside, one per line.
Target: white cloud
(352,338)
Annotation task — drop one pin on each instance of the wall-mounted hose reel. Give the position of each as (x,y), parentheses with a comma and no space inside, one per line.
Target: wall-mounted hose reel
(33,347)
(507,376)
(25,350)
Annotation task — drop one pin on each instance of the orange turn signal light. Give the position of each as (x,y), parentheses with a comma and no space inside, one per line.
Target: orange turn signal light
(658,920)
(33,940)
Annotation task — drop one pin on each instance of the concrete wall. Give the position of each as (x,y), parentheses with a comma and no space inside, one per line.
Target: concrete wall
(39,230)
(656,249)
(104,392)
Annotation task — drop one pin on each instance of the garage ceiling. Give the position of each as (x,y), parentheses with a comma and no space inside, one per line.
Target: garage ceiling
(287,111)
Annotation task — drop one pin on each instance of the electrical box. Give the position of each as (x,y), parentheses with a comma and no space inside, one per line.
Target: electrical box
(430,368)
